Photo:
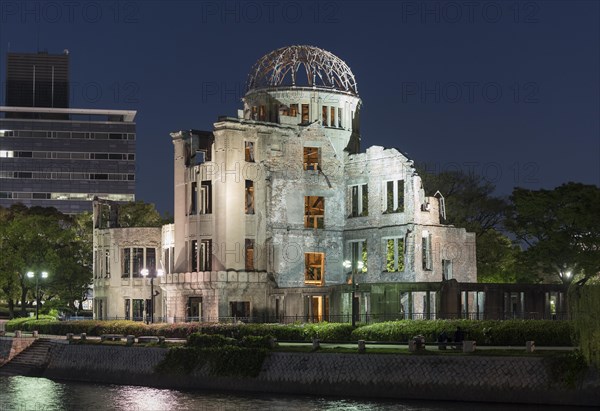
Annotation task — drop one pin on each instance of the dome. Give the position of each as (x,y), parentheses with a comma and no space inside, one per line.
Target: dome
(322,69)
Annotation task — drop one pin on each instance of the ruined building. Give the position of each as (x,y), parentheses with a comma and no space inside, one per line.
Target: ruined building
(280,215)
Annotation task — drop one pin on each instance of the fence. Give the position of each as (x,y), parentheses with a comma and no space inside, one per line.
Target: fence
(346,318)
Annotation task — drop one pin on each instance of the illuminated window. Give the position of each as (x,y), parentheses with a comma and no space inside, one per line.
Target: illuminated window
(394,196)
(249,257)
(426,248)
(314,212)
(294,110)
(394,255)
(359,200)
(305,116)
(324,116)
(6,154)
(314,268)
(249,151)
(262,113)
(332,118)
(311,158)
(249,202)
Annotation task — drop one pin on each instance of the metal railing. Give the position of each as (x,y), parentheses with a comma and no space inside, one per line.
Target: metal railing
(346,318)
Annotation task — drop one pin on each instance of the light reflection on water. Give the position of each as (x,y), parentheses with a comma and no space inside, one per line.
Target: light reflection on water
(40,394)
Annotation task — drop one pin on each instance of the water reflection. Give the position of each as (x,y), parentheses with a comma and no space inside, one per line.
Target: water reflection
(37,394)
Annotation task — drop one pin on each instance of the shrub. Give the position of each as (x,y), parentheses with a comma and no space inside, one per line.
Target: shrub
(206,340)
(255,341)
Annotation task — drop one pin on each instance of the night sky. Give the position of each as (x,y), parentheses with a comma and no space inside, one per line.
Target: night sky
(506,89)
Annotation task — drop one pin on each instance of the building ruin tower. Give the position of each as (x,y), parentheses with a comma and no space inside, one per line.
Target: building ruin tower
(278,213)
(280,216)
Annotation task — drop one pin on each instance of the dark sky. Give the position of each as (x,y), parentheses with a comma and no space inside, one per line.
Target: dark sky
(507,89)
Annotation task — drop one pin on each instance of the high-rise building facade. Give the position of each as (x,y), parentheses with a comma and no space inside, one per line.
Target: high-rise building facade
(37,80)
(55,156)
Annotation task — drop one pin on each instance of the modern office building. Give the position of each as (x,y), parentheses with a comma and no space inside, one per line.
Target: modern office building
(37,80)
(55,156)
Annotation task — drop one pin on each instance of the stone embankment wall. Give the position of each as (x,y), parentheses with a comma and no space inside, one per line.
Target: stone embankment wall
(10,347)
(465,378)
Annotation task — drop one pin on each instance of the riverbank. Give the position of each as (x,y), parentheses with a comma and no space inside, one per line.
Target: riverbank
(507,379)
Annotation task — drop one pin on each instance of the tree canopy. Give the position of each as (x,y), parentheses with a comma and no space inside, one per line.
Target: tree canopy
(470,204)
(40,239)
(560,229)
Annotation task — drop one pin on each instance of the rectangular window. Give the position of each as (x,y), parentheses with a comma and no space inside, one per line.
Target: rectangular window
(332,119)
(314,212)
(167,259)
(194,198)
(447,270)
(311,158)
(359,200)
(394,196)
(249,151)
(127,309)
(426,248)
(151,258)
(294,110)
(205,255)
(249,203)
(394,255)
(107,264)
(314,268)
(240,309)
(194,255)
(339,117)
(138,310)
(138,261)
(262,113)
(172,260)
(205,197)
(324,116)
(358,256)
(305,117)
(126,272)
(249,257)
(284,110)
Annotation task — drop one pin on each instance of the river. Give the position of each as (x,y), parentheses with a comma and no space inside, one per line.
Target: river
(29,393)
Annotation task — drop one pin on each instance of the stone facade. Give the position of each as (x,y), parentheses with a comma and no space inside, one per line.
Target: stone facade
(279,215)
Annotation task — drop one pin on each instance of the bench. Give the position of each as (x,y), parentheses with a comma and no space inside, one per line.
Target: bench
(72,336)
(148,339)
(111,337)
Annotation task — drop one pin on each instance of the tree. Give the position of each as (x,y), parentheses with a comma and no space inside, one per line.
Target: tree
(43,239)
(560,229)
(470,204)
(140,214)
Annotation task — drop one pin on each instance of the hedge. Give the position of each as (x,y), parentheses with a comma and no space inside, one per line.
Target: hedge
(485,332)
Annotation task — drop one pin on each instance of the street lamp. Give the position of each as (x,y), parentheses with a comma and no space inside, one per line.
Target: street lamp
(31,274)
(152,274)
(359,265)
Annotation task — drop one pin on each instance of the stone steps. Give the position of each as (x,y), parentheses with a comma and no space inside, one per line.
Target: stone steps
(30,361)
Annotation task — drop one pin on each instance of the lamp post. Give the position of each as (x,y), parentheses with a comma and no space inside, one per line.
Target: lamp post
(31,274)
(349,264)
(152,274)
